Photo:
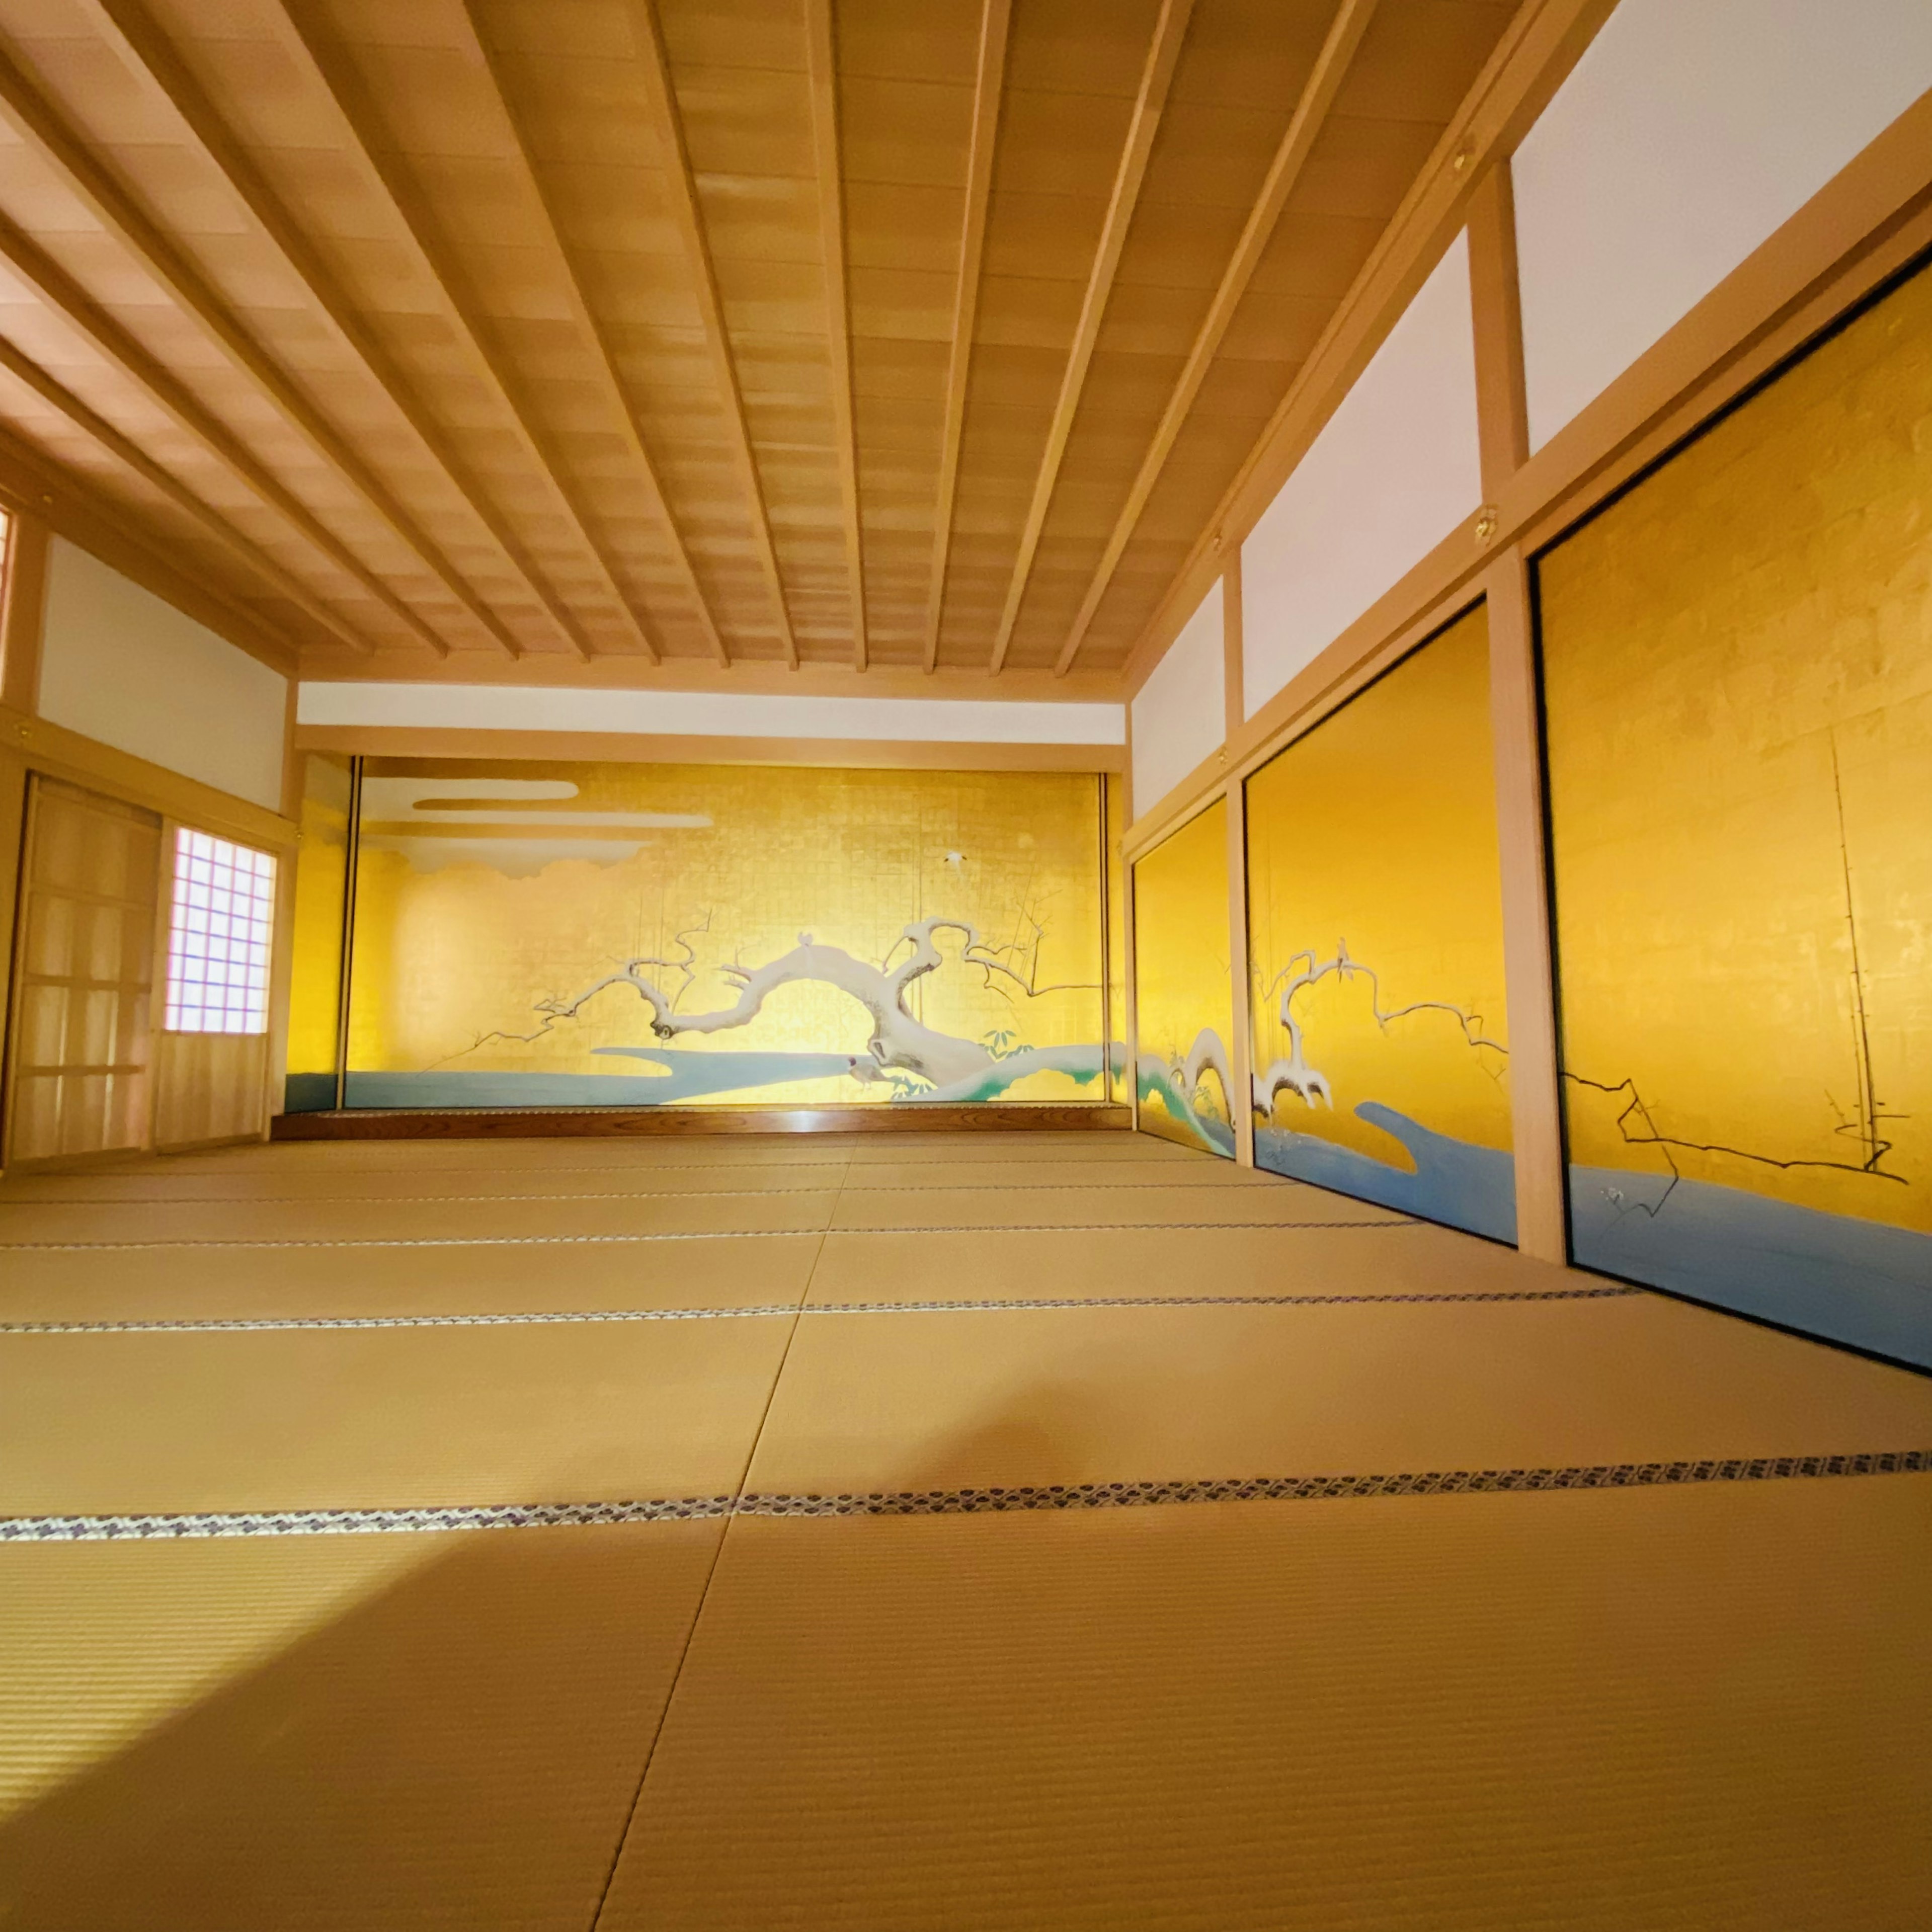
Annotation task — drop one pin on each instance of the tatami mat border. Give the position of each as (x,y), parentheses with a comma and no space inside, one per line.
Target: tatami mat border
(1387,1220)
(1323,1489)
(956,1502)
(539,1316)
(592,1198)
(355,1522)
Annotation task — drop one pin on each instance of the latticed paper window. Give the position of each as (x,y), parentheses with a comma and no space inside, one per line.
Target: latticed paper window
(220,936)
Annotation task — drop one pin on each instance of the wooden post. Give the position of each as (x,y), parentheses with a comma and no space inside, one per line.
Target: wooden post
(1233,687)
(1240,1049)
(1536,1106)
(282,956)
(1529,973)
(1130,1022)
(1502,409)
(23,620)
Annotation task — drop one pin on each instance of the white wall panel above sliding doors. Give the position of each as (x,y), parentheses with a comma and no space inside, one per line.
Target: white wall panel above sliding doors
(1393,473)
(120,666)
(1180,713)
(1689,131)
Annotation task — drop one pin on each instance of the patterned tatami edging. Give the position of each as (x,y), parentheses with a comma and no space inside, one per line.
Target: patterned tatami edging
(354,1521)
(957,1502)
(580,1199)
(763,1309)
(538,1316)
(706,1234)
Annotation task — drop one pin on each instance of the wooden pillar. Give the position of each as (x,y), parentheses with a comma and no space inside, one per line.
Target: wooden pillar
(1502,410)
(282,969)
(1240,1049)
(23,622)
(1233,677)
(1529,975)
(1503,420)
(1130,971)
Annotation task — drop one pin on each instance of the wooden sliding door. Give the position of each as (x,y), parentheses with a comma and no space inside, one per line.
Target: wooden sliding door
(80,1036)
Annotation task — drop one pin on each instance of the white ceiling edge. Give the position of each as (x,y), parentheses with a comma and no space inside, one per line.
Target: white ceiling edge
(497,707)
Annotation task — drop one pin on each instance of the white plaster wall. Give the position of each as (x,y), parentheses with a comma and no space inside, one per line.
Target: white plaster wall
(509,707)
(120,666)
(1180,713)
(1690,131)
(1393,473)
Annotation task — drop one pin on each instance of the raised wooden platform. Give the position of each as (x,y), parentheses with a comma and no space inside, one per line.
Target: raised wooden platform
(374,1123)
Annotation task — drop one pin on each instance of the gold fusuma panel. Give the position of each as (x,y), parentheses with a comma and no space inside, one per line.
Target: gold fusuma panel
(555,933)
(1738,678)
(1375,945)
(1184,997)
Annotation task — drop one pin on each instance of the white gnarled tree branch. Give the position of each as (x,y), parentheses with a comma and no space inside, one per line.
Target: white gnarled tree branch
(1207,1055)
(1293,1072)
(898,1040)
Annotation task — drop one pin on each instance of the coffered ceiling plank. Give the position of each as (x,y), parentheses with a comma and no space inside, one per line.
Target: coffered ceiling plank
(682,192)
(128,26)
(62,296)
(994,23)
(1170,30)
(90,423)
(64,151)
(1331,67)
(822,42)
(300,35)
(616,391)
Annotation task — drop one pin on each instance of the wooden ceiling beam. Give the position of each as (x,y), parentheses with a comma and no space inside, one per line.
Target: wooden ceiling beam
(616,392)
(1318,95)
(35,483)
(681,190)
(97,427)
(131,30)
(64,298)
(31,116)
(822,52)
(301,35)
(1170,30)
(995,20)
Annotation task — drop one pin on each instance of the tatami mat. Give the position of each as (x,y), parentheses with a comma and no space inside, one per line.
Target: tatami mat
(1695,1708)
(288,1698)
(1378,1257)
(182,1282)
(923,1149)
(921,1402)
(371,1418)
(409,1183)
(362,1222)
(344,1732)
(1154,1204)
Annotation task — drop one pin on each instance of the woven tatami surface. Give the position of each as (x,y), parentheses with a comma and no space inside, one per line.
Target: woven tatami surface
(580,1534)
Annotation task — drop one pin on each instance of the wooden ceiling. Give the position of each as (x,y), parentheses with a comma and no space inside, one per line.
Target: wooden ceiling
(878,333)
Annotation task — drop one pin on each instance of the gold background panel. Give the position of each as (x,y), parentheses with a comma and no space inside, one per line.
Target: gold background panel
(1375,904)
(321,874)
(1182,986)
(1738,675)
(490,895)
